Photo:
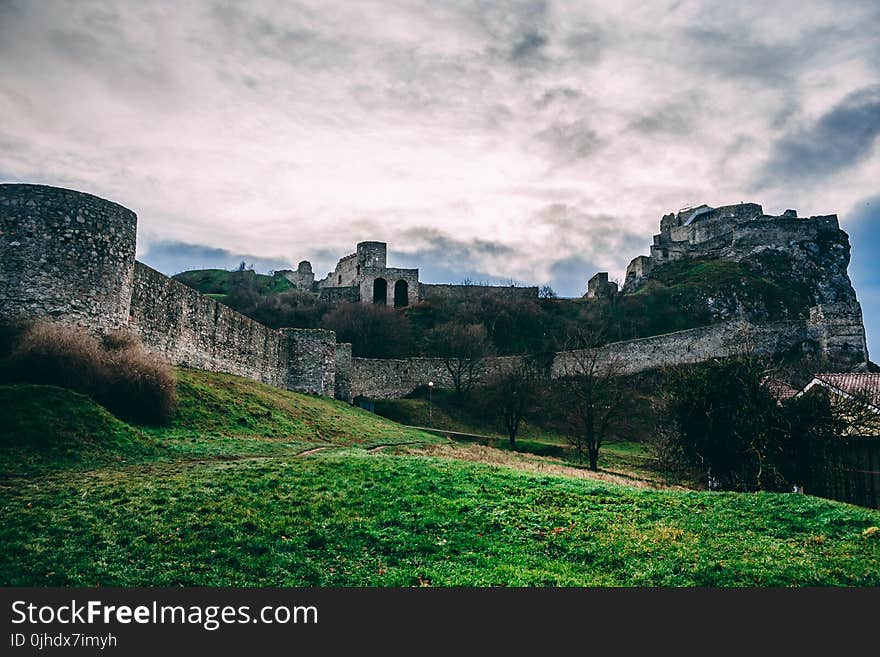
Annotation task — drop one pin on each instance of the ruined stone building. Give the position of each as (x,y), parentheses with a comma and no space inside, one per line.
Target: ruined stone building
(364,276)
(599,286)
(813,250)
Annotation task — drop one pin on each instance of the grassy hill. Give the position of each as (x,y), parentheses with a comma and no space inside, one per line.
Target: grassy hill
(256,486)
(220,283)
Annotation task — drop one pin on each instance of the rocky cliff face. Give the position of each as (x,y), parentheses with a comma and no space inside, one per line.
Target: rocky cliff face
(803,261)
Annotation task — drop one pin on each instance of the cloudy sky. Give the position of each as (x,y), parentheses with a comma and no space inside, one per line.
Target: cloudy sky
(538,141)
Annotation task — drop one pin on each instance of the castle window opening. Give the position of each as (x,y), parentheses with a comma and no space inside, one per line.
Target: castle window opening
(340,279)
(380,291)
(401,294)
(358,270)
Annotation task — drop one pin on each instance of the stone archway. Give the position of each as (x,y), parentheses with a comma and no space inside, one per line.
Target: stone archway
(380,291)
(401,294)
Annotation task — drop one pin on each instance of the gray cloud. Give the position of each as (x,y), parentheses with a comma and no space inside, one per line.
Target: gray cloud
(174,257)
(444,259)
(673,118)
(530,45)
(839,139)
(540,139)
(569,142)
(569,276)
(746,55)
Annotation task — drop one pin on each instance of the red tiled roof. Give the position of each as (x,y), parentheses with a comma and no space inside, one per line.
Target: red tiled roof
(780,389)
(854,383)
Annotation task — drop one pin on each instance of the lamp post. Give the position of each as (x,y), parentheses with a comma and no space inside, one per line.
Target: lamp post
(430,404)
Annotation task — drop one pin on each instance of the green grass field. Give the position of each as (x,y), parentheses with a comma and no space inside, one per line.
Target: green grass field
(232,494)
(617,455)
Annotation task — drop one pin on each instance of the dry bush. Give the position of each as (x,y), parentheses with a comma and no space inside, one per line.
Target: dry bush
(139,387)
(51,354)
(120,340)
(116,371)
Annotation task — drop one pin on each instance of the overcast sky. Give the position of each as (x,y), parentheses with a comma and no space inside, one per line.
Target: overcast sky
(538,141)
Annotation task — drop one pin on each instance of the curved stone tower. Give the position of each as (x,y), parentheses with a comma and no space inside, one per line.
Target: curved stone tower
(65,256)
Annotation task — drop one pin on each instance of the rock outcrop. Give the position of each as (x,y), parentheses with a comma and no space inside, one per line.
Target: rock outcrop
(808,255)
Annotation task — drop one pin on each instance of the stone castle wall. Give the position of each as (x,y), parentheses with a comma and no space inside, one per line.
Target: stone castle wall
(431,292)
(193,330)
(391,276)
(310,359)
(66,255)
(690,346)
(390,379)
(342,381)
(377,378)
(339,294)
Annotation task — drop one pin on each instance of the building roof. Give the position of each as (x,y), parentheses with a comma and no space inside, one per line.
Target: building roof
(780,389)
(861,383)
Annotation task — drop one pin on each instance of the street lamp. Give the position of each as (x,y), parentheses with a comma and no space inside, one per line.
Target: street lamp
(430,404)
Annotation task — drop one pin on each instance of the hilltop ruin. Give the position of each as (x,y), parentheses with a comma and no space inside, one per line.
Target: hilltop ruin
(68,257)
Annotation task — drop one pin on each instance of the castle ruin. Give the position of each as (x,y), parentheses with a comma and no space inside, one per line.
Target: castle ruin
(69,257)
(365,277)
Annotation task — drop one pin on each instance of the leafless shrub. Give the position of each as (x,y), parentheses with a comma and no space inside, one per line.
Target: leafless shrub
(115,371)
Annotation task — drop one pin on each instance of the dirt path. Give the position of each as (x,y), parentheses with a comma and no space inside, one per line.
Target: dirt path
(315,450)
(528,463)
(376,448)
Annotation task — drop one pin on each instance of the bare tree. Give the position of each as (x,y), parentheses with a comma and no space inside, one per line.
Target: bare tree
(462,348)
(592,393)
(547,292)
(511,394)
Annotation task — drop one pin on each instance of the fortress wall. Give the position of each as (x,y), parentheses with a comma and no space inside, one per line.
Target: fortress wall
(689,347)
(839,330)
(782,230)
(376,378)
(428,292)
(345,273)
(65,256)
(392,379)
(339,294)
(372,254)
(193,330)
(342,381)
(311,361)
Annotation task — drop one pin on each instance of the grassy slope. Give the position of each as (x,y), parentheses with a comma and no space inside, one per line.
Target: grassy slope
(629,456)
(48,427)
(219,282)
(221,497)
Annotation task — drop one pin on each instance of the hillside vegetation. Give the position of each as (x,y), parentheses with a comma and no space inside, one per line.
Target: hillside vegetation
(680,295)
(251,485)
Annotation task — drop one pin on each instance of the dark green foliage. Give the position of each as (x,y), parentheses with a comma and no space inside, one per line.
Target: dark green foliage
(509,397)
(374,331)
(290,309)
(680,295)
(721,421)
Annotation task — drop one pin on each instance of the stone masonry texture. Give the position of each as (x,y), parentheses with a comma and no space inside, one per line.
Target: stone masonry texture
(66,255)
